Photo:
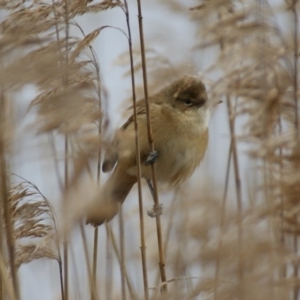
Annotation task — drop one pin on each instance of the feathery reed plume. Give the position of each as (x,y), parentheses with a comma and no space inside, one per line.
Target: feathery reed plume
(31,212)
(214,249)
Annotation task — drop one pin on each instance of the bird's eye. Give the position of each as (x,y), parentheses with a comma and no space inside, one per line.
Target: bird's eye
(188,102)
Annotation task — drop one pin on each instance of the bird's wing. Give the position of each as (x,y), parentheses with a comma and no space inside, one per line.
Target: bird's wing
(111,155)
(140,110)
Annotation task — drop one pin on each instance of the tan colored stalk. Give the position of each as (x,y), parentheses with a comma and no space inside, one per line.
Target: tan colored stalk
(95,255)
(109,267)
(52,144)
(296,122)
(93,291)
(138,160)
(96,231)
(295,267)
(65,243)
(122,253)
(66,167)
(7,284)
(283,270)
(167,239)
(238,185)
(151,144)
(5,203)
(220,241)
(295,77)
(1,254)
(114,244)
(2,275)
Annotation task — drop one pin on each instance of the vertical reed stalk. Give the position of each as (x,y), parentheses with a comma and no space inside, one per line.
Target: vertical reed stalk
(122,252)
(4,201)
(66,166)
(238,188)
(220,242)
(96,231)
(1,203)
(295,71)
(114,244)
(283,270)
(65,243)
(52,145)
(61,280)
(93,291)
(233,146)
(151,144)
(296,122)
(95,254)
(109,268)
(8,288)
(138,160)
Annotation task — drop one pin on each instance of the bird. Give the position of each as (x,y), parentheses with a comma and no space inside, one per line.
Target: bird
(180,114)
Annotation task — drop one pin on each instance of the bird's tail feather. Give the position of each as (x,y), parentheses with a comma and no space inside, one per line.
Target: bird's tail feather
(111,196)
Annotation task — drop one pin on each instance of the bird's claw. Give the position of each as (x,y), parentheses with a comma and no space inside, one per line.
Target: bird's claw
(155,211)
(151,159)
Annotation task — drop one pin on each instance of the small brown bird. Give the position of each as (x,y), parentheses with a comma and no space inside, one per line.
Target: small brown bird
(179,116)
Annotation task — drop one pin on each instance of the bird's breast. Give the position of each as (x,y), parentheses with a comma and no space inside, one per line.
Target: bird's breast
(181,151)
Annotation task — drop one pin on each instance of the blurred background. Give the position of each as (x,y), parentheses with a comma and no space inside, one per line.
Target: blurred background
(231,231)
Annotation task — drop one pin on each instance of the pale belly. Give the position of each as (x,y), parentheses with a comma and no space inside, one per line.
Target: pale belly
(176,160)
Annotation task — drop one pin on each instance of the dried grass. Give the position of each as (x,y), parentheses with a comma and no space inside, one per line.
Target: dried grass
(242,245)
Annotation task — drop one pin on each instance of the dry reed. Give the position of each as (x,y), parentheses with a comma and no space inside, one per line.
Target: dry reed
(233,234)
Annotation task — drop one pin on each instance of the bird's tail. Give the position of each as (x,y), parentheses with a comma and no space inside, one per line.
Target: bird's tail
(111,197)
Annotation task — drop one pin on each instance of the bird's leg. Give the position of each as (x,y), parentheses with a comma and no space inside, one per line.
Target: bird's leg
(150,187)
(151,159)
(156,210)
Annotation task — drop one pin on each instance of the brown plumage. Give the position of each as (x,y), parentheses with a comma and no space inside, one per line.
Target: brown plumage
(179,116)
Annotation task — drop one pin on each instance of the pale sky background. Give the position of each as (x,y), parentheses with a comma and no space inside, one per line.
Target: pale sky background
(174,36)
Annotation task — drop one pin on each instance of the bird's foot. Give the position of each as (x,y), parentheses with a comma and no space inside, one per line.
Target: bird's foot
(151,159)
(155,211)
